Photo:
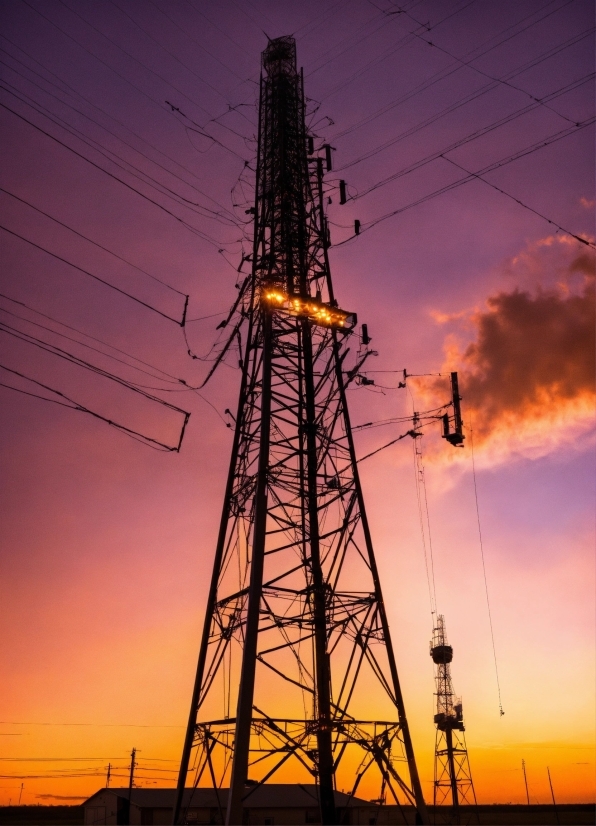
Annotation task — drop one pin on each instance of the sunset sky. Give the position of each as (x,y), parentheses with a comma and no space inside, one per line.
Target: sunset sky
(132,125)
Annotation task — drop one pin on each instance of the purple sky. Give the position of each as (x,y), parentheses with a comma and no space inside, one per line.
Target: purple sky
(107,544)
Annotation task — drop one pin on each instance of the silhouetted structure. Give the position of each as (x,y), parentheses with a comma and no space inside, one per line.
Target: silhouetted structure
(296,676)
(453,779)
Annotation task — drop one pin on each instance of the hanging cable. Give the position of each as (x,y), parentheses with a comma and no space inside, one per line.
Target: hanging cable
(422,502)
(74,405)
(490,619)
(184,223)
(95,243)
(472,176)
(95,277)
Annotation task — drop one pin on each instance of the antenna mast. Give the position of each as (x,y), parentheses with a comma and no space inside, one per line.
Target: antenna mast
(296,651)
(453,778)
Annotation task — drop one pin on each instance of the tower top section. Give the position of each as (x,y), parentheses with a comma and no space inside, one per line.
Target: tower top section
(280,56)
(440,650)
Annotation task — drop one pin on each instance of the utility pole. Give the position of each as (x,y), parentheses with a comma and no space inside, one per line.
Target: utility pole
(130,784)
(108,775)
(295,628)
(20,793)
(526,781)
(550,783)
(452,776)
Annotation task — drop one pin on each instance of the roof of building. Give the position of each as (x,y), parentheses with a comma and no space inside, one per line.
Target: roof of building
(269,795)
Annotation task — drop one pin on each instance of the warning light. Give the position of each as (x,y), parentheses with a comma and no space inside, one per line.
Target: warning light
(317,311)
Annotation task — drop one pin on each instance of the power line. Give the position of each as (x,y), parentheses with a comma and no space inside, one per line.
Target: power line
(142,176)
(470,65)
(444,73)
(90,347)
(393,48)
(521,203)
(134,434)
(95,243)
(468,98)
(477,133)
(206,212)
(115,177)
(490,620)
(76,94)
(497,165)
(91,275)
(93,338)
(111,68)
(79,362)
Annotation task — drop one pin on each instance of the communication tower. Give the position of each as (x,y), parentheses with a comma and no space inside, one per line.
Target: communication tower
(453,779)
(297,679)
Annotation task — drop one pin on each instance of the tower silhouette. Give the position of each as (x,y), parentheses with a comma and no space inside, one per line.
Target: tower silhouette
(453,779)
(297,679)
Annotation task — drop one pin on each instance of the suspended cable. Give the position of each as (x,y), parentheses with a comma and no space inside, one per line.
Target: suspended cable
(468,98)
(490,620)
(95,243)
(95,277)
(478,133)
(73,405)
(115,177)
(206,212)
(168,376)
(111,68)
(138,173)
(76,94)
(424,517)
(54,350)
(521,203)
(469,64)
(403,41)
(472,176)
(475,54)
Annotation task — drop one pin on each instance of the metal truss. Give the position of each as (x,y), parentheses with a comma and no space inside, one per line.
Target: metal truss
(296,677)
(453,786)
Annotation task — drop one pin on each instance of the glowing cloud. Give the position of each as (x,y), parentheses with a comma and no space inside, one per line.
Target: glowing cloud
(527,378)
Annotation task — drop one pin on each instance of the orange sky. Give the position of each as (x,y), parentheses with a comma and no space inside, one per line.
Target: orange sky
(107,546)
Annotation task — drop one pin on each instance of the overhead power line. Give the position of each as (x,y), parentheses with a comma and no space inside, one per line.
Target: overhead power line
(442,74)
(66,401)
(476,134)
(115,177)
(95,277)
(204,211)
(111,68)
(467,98)
(521,203)
(129,168)
(95,243)
(481,172)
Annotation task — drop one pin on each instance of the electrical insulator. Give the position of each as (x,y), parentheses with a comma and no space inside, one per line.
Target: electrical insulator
(327,149)
(342,192)
(311,145)
(356,227)
(365,336)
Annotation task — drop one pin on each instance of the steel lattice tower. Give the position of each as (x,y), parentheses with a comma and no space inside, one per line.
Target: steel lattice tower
(296,676)
(453,779)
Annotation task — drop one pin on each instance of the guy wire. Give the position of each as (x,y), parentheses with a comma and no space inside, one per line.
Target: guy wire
(490,619)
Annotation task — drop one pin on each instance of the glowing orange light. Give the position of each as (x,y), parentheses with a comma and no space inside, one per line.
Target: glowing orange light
(319,312)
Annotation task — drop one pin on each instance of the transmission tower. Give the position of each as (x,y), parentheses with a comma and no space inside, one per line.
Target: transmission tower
(296,679)
(453,779)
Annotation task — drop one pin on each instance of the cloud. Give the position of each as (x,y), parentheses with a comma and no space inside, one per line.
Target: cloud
(586,203)
(527,376)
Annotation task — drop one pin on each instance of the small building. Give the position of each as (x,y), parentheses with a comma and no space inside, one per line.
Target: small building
(271,803)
